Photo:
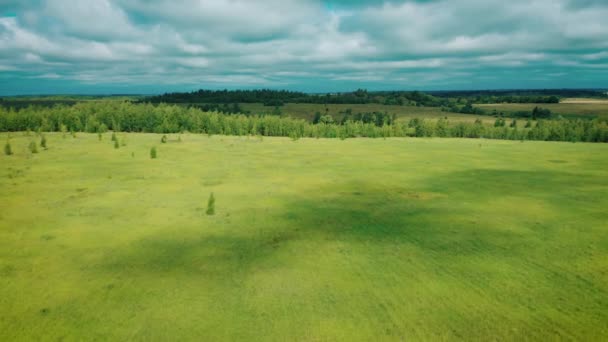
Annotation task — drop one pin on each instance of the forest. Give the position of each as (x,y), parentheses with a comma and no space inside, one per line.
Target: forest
(362,96)
(100,116)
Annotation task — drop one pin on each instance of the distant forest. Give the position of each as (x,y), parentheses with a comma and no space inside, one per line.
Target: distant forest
(447,99)
(101,116)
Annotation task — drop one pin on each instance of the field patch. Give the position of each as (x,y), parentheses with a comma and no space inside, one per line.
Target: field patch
(315,239)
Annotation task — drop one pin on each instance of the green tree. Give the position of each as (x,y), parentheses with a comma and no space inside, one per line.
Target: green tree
(63,128)
(33,148)
(153,153)
(441,128)
(211,205)
(7,148)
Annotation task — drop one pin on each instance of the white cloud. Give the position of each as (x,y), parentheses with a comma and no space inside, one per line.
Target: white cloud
(279,42)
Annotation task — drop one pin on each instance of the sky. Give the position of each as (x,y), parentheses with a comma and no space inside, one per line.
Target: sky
(157,46)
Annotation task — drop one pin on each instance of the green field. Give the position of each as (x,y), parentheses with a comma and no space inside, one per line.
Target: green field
(315,239)
(308,110)
(568,110)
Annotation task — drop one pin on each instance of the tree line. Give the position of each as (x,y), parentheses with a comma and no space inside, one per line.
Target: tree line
(362,96)
(101,116)
(279,97)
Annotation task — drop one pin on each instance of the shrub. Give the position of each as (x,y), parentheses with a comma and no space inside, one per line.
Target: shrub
(123,141)
(179,138)
(33,148)
(7,148)
(294,136)
(99,135)
(116,145)
(43,142)
(153,153)
(163,139)
(114,136)
(211,205)
(499,123)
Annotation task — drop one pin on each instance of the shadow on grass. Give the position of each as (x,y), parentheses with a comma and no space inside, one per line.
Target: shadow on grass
(429,217)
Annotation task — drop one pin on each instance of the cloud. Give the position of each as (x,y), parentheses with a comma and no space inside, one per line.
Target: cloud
(310,45)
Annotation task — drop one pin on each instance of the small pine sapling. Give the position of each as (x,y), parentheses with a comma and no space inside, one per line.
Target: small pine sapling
(33,148)
(63,128)
(211,205)
(7,148)
(153,153)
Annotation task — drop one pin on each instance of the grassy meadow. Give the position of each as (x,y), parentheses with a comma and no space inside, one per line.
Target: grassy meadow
(405,113)
(575,108)
(315,239)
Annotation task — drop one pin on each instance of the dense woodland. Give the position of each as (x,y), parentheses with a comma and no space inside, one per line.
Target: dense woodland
(362,96)
(100,116)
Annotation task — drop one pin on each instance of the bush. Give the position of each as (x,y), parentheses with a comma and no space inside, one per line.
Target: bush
(7,148)
(43,142)
(153,153)
(211,205)
(114,136)
(33,148)
(99,135)
(163,139)
(294,136)
(499,123)
(116,145)
(123,141)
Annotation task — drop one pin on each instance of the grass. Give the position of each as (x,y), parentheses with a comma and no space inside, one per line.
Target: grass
(397,239)
(573,108)
(405,113)
(569,109)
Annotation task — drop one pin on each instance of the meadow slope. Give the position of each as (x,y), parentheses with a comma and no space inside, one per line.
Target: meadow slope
(316,239)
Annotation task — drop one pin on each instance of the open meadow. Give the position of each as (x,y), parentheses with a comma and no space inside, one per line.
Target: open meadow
(315,239)
(404,113)
(569,108)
